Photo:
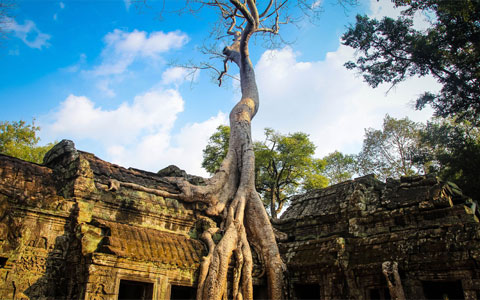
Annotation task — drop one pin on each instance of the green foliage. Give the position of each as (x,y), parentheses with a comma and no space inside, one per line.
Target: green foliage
(216,149)
(20,140)
(453,150)
(392,50)
(339,167)
(284,165)
(390,152)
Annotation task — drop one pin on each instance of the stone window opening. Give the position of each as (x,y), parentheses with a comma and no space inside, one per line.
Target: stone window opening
(3,261)
(307,291)
(182,292)
(444,290)
(260,292)
(135,290)
(379,293)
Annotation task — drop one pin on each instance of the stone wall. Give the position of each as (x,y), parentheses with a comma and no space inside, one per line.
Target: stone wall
(339,237)
(78,227)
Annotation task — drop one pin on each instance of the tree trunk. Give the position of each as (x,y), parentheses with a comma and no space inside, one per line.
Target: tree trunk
(273,211)
(231,193)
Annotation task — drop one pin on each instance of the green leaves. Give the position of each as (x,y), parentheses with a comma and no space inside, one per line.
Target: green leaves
(216,149)
(392,50)
(19,139)
(284,165)
(453,150)
(339,167)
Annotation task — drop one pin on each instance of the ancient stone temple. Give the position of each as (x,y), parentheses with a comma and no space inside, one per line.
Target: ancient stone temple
(77,227)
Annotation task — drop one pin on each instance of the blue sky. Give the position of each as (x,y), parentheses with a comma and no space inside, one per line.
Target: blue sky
(105,74)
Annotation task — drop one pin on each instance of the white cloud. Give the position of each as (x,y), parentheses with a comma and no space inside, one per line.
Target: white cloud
(160,149)
(135,135)
(122,48)
(28,33)
(380,9)
(79,118)
(178,75)
(327,101)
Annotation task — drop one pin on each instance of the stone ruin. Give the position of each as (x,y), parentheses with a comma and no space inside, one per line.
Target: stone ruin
(77,227)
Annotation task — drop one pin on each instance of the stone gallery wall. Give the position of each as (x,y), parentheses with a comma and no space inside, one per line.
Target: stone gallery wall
(338,238)
(77,227)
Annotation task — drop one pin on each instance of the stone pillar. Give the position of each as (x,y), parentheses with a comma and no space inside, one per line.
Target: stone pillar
(163,288)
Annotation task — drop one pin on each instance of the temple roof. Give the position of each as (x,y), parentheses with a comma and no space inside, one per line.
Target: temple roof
(146,244)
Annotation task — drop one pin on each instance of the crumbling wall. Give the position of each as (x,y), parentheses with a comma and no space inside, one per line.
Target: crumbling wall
(76,227)
(339,237)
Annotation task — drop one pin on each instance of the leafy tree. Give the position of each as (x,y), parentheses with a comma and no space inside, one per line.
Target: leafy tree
(284,165)
(339,167)
(452,151)
(449,50)
(216,149)
(20,140)
(390,152)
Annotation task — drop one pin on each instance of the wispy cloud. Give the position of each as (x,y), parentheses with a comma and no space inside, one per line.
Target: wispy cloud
(127,4)
(61,5)
(28,33)
(178,75)
(122,48)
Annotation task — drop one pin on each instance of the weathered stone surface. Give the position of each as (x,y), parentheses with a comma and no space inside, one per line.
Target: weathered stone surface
(348,230)
(78,227)
(64,234)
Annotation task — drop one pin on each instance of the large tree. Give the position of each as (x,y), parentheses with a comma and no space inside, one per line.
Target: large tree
(19,139)
(449,50)
(230,193)
(284,166)
(390,152)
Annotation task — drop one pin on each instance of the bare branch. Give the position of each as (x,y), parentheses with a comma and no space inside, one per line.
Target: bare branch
(244,10)
(266,9)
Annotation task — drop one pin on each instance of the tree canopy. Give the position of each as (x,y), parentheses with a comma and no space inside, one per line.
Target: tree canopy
(451,149)
(19,139)
(216,149)
(389,152)
(449,50)
(284,166)
(339,167)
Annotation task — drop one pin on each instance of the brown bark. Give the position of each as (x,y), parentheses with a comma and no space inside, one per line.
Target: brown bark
(231,193)
(390,270)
